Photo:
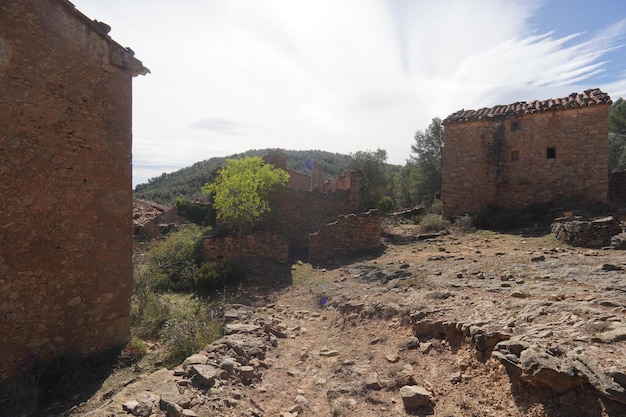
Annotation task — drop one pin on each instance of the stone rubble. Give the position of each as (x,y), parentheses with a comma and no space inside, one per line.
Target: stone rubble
(546,330)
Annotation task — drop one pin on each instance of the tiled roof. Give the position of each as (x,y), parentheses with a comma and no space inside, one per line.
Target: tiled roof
(588,98)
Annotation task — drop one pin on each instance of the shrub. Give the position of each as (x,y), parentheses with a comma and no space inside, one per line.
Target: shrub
(433,223)
(214,276)
(175,260)
(148,311)
(436,207)
(132,352)
(189,329)
(386,205)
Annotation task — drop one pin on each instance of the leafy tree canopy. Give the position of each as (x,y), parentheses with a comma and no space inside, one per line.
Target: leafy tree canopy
(242,187)
(617,136)
(375,183)
(425,166)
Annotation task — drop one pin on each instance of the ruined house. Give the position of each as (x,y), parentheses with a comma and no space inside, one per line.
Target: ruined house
(526,153)
(65,184)
(313,218)
(150,218)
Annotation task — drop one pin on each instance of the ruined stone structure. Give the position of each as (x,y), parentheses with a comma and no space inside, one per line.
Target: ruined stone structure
(65,184)
(525,153)
(306,204)
(590,233)
(262,245)
(150,218)
(348,234)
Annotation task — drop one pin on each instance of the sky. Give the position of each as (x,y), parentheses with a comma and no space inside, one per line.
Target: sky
(346,75)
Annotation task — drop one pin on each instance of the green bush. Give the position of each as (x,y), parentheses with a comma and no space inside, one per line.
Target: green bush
(148,311)
(189,329)
(436,207)
(214,276)
(433,223)
(175,260)
(386,205)
(132,352)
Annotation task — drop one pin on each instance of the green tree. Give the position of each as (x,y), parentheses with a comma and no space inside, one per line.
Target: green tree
(375,183)
(617,136)
(428,161)
(242,189)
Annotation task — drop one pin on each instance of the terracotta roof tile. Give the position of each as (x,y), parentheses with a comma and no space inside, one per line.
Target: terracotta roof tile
(588,98)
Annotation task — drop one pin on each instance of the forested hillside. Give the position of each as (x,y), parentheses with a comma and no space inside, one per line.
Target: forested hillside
(186,182)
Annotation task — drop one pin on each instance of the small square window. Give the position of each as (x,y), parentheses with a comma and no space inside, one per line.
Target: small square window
(551,153)
(515,126)
(515,155)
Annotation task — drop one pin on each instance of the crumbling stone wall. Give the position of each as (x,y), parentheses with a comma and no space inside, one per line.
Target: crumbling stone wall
(262,245)
(351,233)
(299,213)
(65,184)
(501,158)
(295,214)
(593,233)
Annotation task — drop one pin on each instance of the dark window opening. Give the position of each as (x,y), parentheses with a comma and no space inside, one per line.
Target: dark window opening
(551,153)
(515,126)
(515,155)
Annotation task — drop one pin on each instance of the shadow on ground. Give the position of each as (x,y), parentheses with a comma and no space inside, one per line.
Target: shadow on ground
(50,389)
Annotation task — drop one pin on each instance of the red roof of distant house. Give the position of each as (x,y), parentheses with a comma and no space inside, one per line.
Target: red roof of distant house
(590,97)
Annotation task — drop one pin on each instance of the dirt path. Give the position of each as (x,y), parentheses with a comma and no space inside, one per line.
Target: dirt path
(344,339)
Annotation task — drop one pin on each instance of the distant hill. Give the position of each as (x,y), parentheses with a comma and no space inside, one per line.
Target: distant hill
(186,182)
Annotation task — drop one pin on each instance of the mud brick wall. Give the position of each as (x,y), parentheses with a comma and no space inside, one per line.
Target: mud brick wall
(263,245)
(65,185)
(350,234)
(504,162)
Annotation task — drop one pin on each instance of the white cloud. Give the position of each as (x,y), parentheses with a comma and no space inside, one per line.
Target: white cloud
(341,76)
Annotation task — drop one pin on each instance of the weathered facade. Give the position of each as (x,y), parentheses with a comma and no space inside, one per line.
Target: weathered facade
(525,153)
(65,184)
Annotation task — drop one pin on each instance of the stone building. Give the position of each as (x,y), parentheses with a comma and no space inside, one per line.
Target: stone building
(307,220)
(65,184)
(524,153)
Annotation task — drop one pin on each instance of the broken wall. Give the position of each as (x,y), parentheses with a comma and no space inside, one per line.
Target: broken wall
(261,245)
(349,234)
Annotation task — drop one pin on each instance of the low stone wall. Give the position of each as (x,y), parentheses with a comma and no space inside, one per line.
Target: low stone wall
(350,234)
(263,245)
(587,233)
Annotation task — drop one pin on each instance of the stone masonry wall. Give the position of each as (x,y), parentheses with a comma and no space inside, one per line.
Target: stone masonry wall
(299,213)
(263,245)
(65,185)
(505,163)
(350,234)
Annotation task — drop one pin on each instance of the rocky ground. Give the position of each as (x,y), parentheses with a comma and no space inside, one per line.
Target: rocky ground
(475,324)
